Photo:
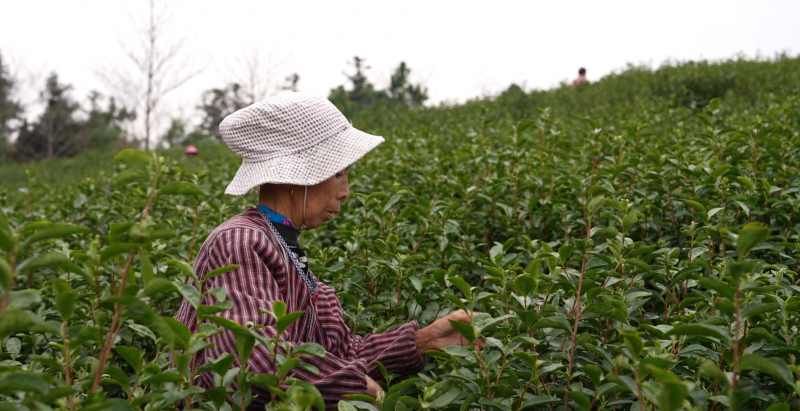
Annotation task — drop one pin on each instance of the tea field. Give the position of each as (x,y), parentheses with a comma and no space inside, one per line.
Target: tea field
(633,244)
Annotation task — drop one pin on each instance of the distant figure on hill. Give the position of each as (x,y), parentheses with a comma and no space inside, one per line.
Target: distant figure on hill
(580,79)
(191,152)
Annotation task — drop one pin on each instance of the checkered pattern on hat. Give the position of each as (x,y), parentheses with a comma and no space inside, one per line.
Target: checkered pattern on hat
(294,138)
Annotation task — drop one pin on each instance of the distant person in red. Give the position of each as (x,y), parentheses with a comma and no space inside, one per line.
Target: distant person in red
(190,153)
(580,79)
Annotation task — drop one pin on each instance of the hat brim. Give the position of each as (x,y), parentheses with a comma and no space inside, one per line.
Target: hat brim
(306,168)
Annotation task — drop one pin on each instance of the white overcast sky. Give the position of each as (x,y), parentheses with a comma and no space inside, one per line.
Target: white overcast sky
(460,49)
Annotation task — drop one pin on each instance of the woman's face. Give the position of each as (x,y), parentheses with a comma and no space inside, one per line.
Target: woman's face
(324,199)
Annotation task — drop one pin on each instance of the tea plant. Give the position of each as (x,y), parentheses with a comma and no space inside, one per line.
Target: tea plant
(640,254)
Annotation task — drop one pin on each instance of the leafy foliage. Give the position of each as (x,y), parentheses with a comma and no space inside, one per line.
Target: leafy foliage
(618,252)
(363,96)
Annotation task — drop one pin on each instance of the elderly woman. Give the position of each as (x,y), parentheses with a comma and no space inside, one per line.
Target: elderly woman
(298,149)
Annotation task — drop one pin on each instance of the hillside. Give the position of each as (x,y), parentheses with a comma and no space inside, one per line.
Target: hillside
(632,244)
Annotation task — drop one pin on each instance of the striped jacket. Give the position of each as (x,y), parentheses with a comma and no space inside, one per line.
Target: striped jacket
(264,277)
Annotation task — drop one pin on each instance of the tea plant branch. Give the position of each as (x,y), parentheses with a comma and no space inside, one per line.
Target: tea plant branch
(586,217)
(149,201)
(522,394)
(112,330)
(7,291)
(737,321)
(67,364)
(575,328)
(194,228)
(716,382)
(422,237)
(638,387)
(501,368)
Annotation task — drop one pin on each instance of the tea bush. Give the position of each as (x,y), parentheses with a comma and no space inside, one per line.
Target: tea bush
(623,253)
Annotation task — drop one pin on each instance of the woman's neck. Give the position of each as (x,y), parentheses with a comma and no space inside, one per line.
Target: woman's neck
(276,201)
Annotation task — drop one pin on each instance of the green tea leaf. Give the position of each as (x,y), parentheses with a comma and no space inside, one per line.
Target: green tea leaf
(289,365)
(13,321)
(182,188)
(189,293)
(128,176)
(244,348)
(710,369)
(639,264)
(607,310)
(449,393)
(455,300)
(148,274)
(525,284)
(55,231)
(672,396)
(703,330)
(309,349)
(699,207)
(317,400)
(6,276)
(23,300)
(287,320)
(720,287)
(180,333)
(633,342)
(115,250)
(41,261)
(752,310)
(528,359)
(750,236)
(279,309)
(539,401)
(773,366)
(607,232)
(464,329)
(630,219)
(219,271)
(15,382)
(65,304)
(594,205)
(184,268)
(462,285)
(133,156)
(131,355)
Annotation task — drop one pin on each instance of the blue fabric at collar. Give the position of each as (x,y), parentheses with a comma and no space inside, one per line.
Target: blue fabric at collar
(273,216)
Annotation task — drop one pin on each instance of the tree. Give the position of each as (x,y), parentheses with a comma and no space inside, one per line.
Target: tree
(55,133)
(218,103)
(291,82)
(175,134)
(65,128)
(401,90)
(103,126)
(10,109)
(362,94)
(362,91)
(258,76)
(156,68)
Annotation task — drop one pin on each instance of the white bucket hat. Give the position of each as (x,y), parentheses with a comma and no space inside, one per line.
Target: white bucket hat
(293,138)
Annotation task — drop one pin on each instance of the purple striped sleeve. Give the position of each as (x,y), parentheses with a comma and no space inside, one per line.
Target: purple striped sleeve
(395,349)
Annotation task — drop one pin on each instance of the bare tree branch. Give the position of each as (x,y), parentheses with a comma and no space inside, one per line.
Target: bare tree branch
(156,67)
(259,76)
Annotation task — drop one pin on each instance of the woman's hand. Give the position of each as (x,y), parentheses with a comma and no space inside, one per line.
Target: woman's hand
(374,390)
(441,334)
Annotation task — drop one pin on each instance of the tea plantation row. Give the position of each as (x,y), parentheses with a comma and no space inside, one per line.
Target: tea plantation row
(626,251)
